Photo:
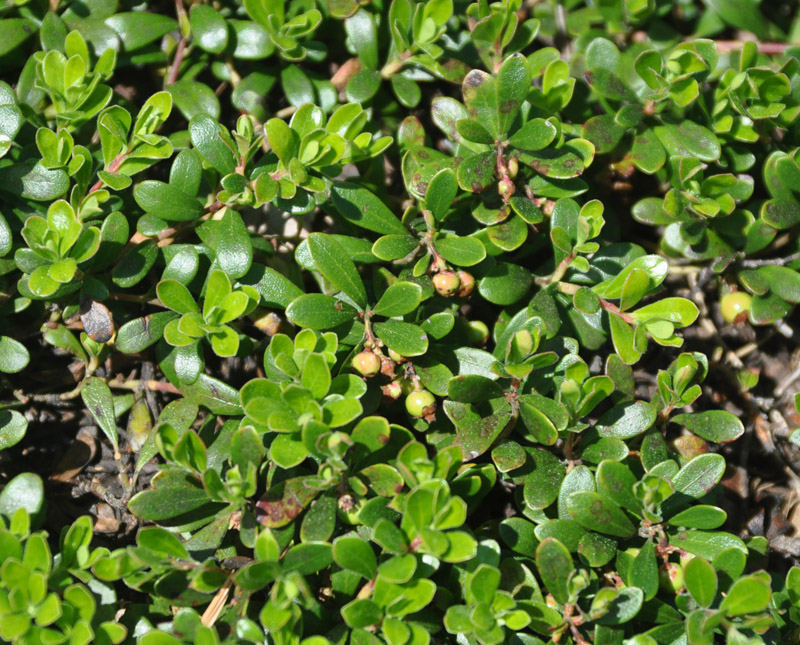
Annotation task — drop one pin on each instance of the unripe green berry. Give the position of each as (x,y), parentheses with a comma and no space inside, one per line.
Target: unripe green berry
(367,363)
(477,332)
(671,578)
(506,188)
(446,283)
(735,306)
(513,167)
(467,284)
(420,404)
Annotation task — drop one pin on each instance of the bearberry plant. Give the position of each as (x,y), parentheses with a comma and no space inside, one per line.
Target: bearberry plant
(383,314)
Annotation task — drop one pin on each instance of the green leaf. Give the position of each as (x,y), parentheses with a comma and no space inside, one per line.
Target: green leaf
(210,139)
(363,208)
(193,98)
(604,71)
(441,192)
(627,420)
(14,32)
(166,201)
(316,375)
(137,335)
(700,516)
(318,311)
(10,117)
(26,490)
(99,401)
(616,481)
(783,282)
(12,428)
(308,558)
(679,311)
(275,289)
(461,251)
(688,139)
(622,335)
(176,296)
(534,135)
(555,566)
(519,534)
(404,338)
(14,357)
(647,153)
(354,554)
(742,14)
(335,265)
(701,581)
(399,299)
(234,248)
(644,570)
(748,595)
(394,247)
(33,181)
(161,542)
(623,607)
(211,393)
(137,29)
(597,512)
(713,425)
(505,283)
(706,544)
(171,498)
(209,29)
(700,475)
(362,612)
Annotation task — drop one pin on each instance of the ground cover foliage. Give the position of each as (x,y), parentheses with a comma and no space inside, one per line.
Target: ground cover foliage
(332,322)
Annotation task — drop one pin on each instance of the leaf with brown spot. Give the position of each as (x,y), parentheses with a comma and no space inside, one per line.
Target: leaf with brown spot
(561,163)
(286,500)
(97,321)
(476,173)
(477,437)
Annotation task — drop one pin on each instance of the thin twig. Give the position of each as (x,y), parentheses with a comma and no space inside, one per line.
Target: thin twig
(771,49)
(749,264)
(176,63)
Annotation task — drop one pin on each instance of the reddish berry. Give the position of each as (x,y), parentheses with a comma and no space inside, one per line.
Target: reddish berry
(467,283)
(367,363)
(446,283)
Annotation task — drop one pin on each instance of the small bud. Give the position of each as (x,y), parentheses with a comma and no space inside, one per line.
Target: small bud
(506,188)
(446,283)
(367,363)
(467,284)
(392,390)
(420,404)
